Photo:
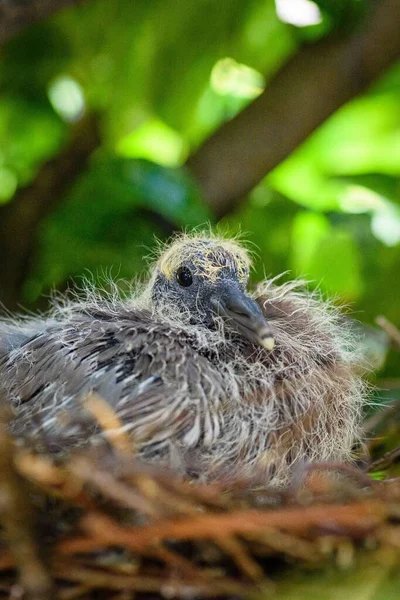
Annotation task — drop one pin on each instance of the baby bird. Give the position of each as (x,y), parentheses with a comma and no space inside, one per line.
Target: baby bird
(205,377)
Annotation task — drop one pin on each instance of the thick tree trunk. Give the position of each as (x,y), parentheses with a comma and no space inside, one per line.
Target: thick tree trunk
(313,84)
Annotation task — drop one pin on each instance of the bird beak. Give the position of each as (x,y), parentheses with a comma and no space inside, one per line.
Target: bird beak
(244,315)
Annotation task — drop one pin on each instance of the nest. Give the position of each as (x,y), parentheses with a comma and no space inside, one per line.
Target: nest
(101,525)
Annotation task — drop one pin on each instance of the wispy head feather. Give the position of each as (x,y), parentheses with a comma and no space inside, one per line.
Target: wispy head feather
(210,254)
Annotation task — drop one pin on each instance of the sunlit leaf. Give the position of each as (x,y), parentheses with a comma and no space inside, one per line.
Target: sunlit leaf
(67,98)
(327,255)
(372,576)
(309,231)
(8,184)
(231,78)
(385,225)
(155,141)
(301,181)
(361,137)
(301,13)
(30,133)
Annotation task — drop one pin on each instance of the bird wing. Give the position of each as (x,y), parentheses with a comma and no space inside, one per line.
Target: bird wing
(148,372)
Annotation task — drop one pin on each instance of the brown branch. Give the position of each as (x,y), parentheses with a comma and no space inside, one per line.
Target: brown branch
(385,461)
(15,15)
(392,331)
(312,85)
(358,518)
(20,218)
(175,587)
(17,520)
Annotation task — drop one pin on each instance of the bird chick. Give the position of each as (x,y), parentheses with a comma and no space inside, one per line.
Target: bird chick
(205,377)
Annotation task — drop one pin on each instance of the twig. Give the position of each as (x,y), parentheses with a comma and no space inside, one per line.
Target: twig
(273,540)
(121,493)
(73,593)
(353,518)
(17,520)
(177,562)
(385,461)
(110,423)
(392,331)
(234,548)
(94,578)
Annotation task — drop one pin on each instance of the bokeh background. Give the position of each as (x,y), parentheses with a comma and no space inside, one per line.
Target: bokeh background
(104,110)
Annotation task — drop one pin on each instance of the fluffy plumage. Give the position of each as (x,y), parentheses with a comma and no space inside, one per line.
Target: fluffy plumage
(191,389)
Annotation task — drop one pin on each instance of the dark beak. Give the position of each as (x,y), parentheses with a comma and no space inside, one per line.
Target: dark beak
(244,315)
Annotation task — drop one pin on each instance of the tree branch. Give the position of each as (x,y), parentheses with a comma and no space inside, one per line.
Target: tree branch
(312,85)
(18,14)
(20,218)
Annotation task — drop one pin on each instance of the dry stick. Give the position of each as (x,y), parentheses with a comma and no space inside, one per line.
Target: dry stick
(7,561)
(149,498)
(390,329)
(39,470)
(177,562)
(312,85)
(94,578)
(210,494)
(110,423)
(167,501)
(356,519)
(73,593)
(283,543)
(236,550)
(172,559)
(17,520)
(52,480)
(385,461)
(170,495)
(153,499)
(122,494)
(143,493)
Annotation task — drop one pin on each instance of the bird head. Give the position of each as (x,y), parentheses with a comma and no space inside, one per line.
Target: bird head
(206,279)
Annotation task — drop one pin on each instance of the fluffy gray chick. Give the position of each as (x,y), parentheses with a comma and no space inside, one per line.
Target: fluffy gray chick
(205,377)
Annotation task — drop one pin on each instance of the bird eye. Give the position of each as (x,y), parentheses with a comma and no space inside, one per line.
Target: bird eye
(184,277)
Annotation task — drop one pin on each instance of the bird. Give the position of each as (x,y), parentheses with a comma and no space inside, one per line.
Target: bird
(207,378)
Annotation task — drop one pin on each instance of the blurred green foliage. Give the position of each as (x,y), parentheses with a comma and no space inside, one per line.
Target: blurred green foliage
(366,576)
(162,76)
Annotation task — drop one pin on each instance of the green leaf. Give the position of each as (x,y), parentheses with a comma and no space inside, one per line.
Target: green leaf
(103,222)
(309,231)
(344,14)
(369,576)
(299,179)
(155,141)
(326,255)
